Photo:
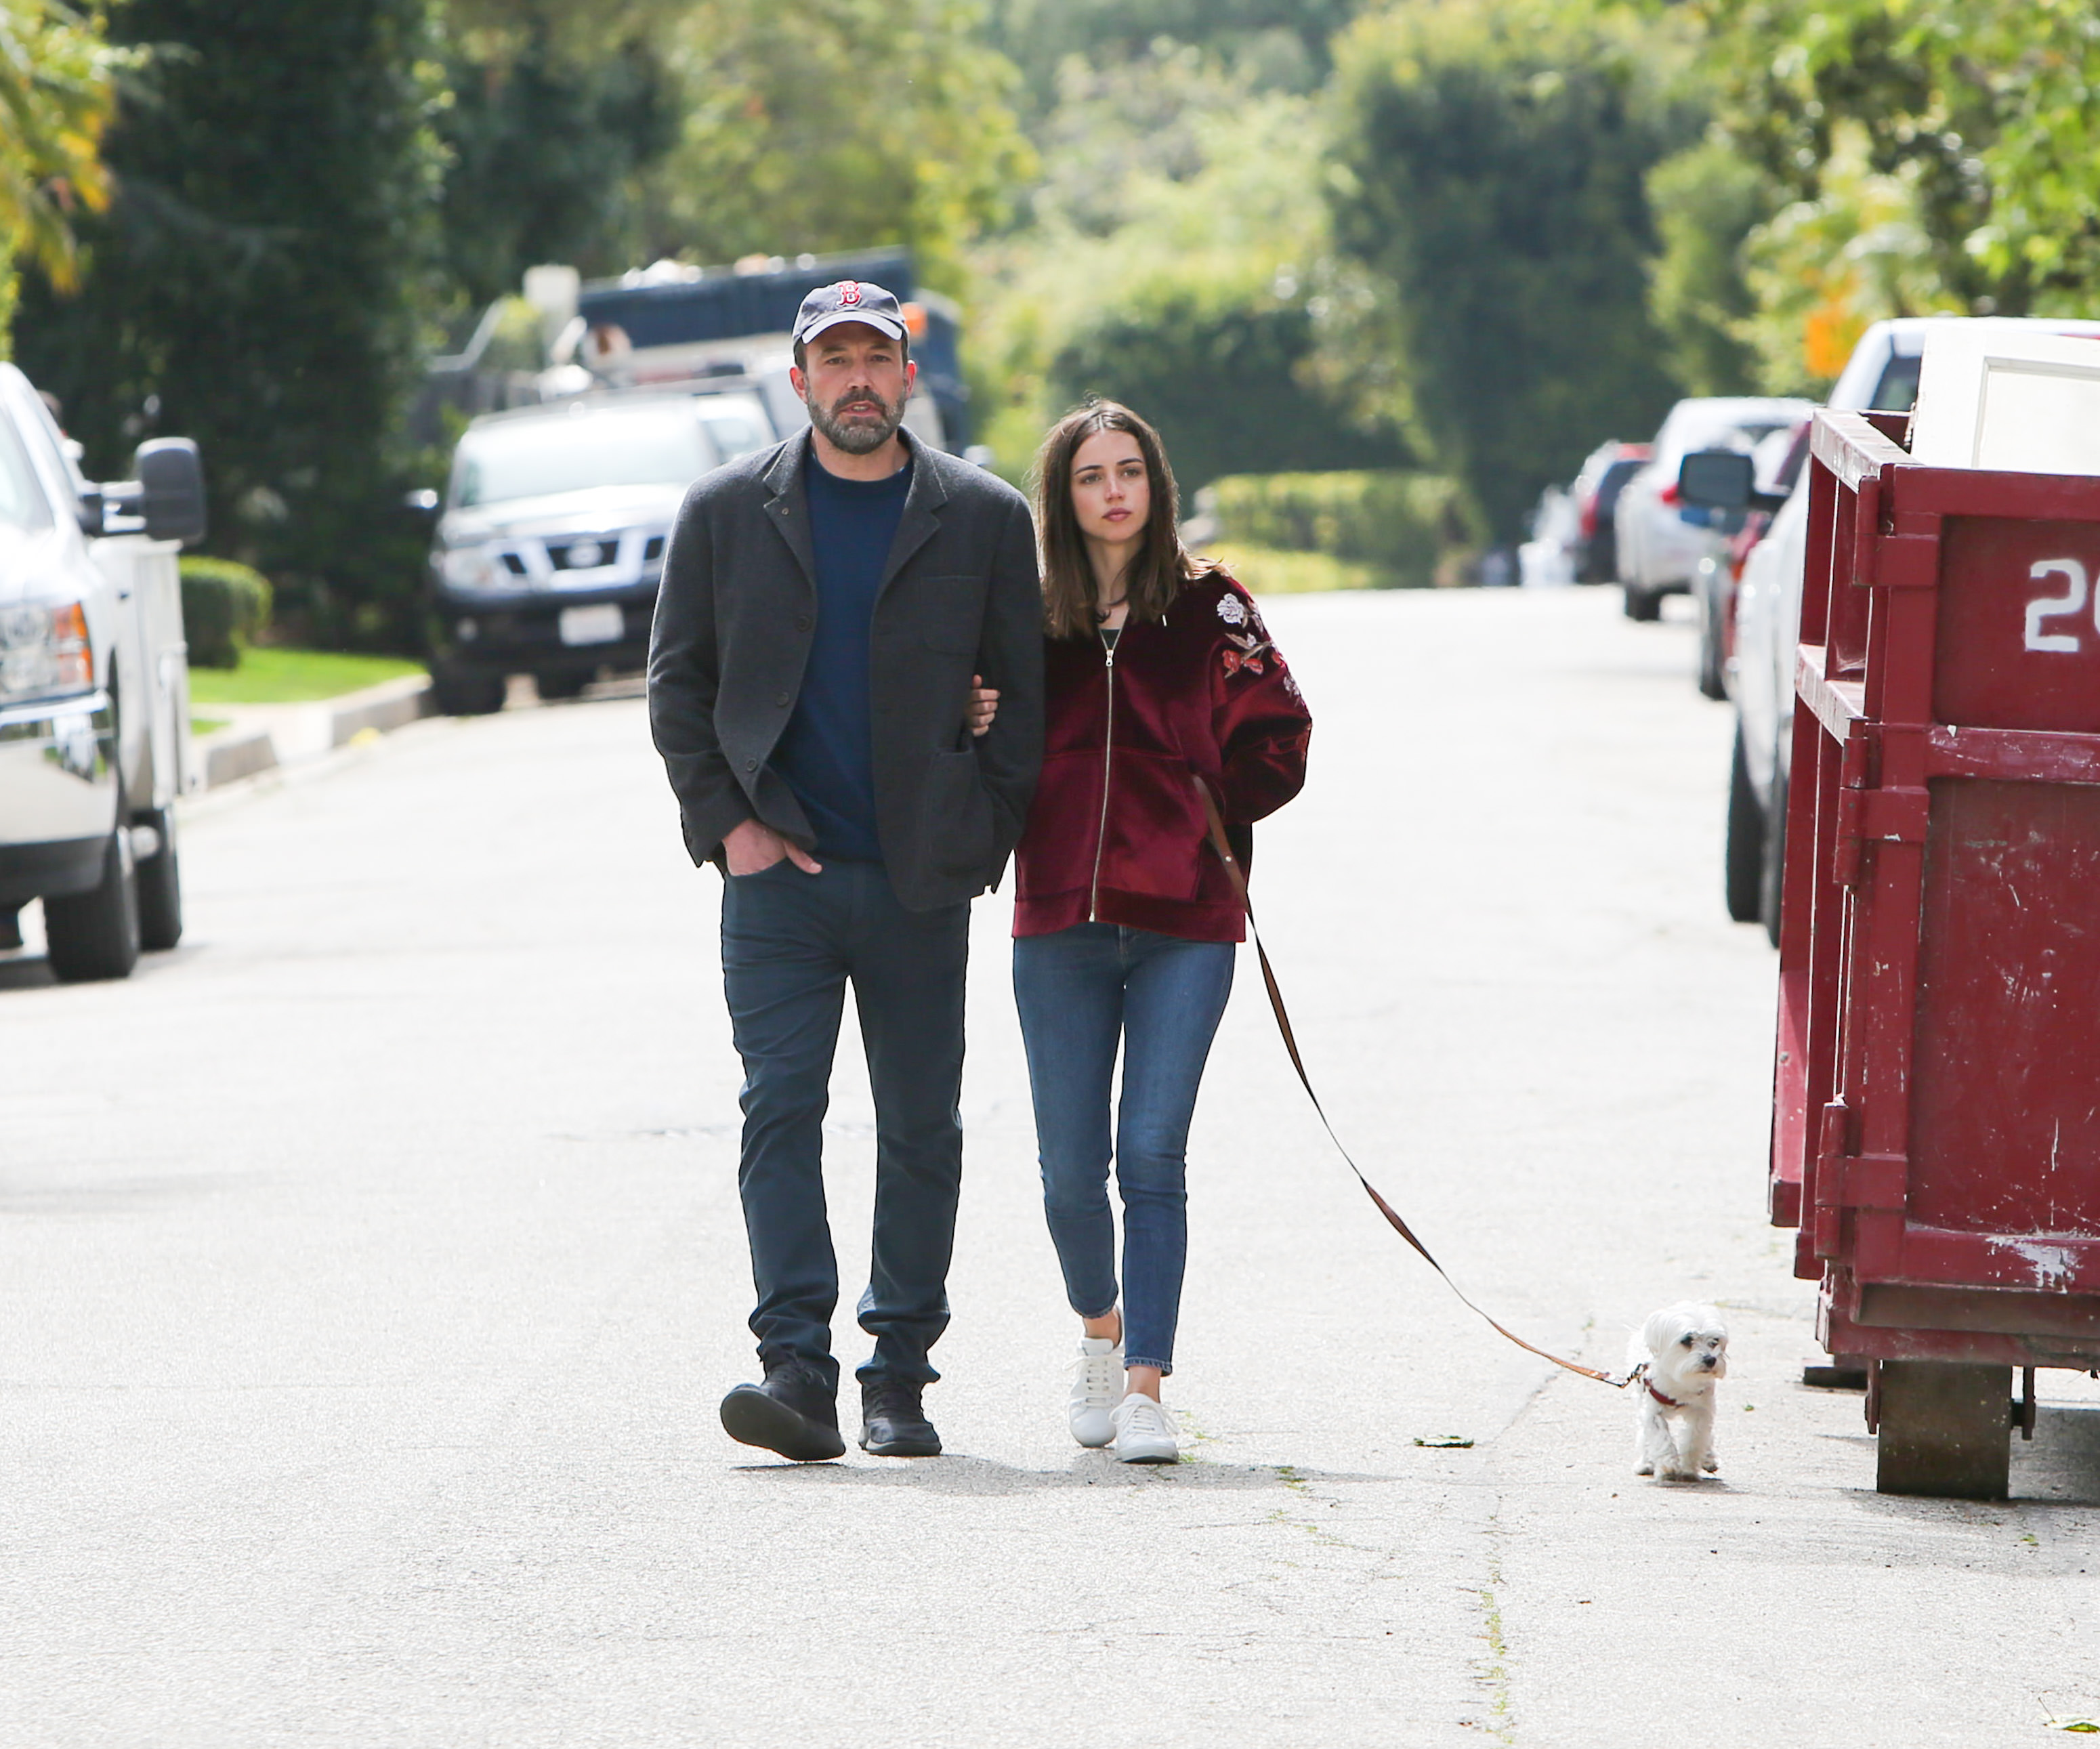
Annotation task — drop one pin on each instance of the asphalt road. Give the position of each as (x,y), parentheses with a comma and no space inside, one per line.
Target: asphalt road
(370,1268)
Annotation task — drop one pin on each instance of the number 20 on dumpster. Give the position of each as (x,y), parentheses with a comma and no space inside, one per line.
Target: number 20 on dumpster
(2076,587)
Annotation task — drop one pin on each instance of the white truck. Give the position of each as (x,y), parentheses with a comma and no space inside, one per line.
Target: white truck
(95,742)
(1881,377)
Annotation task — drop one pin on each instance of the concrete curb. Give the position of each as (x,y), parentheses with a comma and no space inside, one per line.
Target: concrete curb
(385,707)
(264,738)
(227,756)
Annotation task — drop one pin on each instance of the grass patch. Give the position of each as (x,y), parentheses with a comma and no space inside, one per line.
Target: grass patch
(204,725)
(1272,570)
(271,675)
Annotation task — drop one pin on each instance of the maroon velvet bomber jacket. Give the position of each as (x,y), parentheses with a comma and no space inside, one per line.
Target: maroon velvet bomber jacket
(1117,834)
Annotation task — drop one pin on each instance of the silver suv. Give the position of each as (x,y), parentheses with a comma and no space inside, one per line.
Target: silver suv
(94,690)
(551,541)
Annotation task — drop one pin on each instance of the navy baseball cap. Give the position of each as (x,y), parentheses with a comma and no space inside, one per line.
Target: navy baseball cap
(849,301)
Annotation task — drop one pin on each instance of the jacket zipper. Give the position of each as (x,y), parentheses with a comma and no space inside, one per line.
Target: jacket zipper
(1108,756)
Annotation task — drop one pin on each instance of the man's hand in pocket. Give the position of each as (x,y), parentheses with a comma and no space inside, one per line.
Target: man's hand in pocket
(752,848)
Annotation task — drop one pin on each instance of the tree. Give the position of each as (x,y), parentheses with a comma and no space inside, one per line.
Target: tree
(1490,182)
(1176,260)
(554,111)
(258,284)
(1218,368)
(1706,201)
(549,146)
(56,74)
(837,124)
(1916,155)
(1283,42)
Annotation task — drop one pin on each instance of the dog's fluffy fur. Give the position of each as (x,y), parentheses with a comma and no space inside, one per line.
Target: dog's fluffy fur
(1684,1348)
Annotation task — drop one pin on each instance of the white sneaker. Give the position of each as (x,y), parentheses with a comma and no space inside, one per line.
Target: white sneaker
(1096,1377)
(1144,1432)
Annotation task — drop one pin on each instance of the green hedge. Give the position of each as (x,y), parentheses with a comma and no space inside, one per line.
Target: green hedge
(225,608)
(1413,530)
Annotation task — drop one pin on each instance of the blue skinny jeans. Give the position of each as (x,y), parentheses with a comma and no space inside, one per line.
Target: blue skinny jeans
(1081,992)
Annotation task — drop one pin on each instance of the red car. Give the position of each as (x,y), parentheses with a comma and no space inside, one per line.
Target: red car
(1595,492)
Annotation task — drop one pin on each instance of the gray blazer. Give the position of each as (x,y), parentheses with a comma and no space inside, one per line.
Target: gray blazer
(734,616)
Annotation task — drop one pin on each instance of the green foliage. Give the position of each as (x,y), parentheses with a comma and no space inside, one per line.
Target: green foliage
(1173,262)
(1921,154)
(1282,43)
(1278,570)
(226,608)
(1706,201)
(258,284)
(837,124)
(1412,529)
(1213,367)
(1822,269)
(57,74)
(1491,183)
(549,141)
(272,674)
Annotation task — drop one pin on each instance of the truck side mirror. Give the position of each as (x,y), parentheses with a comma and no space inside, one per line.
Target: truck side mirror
(171,475)
(1717,480)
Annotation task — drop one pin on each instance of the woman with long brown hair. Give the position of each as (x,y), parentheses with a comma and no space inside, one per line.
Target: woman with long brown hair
(1162,684)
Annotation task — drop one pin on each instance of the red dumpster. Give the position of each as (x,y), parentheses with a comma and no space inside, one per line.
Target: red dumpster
(1936,1132)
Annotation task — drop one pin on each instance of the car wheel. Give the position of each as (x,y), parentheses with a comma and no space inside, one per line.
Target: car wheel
(1772,876)
(1711,683)
(564,686)
(95,935)
(1640,605)
(464,691)
(160,887)
(1743,855)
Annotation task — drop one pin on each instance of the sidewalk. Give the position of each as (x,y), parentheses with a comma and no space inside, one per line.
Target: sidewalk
(260,738)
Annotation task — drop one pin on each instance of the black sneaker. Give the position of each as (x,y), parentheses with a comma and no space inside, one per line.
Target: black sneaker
(894,1425)
(794,1412)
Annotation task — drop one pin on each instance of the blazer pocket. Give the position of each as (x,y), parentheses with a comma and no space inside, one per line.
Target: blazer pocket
(960,833)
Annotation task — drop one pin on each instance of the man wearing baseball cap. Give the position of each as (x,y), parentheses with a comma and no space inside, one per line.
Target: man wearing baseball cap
(826,607)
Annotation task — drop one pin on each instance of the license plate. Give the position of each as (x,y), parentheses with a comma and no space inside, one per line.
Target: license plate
(601,623)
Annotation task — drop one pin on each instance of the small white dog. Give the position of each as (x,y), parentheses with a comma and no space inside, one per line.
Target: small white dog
(1675,1359)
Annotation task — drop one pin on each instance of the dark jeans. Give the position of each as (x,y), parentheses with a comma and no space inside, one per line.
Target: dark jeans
(1079,991)
(789,943)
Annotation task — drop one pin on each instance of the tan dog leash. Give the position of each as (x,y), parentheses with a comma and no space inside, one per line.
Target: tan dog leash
(1223,845)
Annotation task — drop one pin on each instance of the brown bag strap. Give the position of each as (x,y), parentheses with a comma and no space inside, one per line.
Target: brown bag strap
(1223,846)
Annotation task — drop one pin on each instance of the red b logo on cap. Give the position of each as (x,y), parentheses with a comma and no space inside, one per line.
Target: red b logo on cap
(849,292)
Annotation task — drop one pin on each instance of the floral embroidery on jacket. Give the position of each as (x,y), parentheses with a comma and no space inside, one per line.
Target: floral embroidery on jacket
(1249,651)
(1246,650)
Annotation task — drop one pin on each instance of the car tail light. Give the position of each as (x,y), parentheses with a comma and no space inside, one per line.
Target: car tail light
(1668,495)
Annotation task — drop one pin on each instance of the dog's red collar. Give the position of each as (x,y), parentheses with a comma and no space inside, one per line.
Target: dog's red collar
(1668,1402)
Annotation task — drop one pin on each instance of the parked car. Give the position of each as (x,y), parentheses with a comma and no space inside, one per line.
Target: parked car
(94,690)
(1658,547)
(1881,375)
(1596,492)
(551,540)
(1776,462)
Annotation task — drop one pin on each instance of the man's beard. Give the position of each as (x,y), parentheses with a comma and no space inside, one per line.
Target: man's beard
(860,436)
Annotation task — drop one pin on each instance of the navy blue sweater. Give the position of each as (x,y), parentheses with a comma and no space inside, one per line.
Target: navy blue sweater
(825,752)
